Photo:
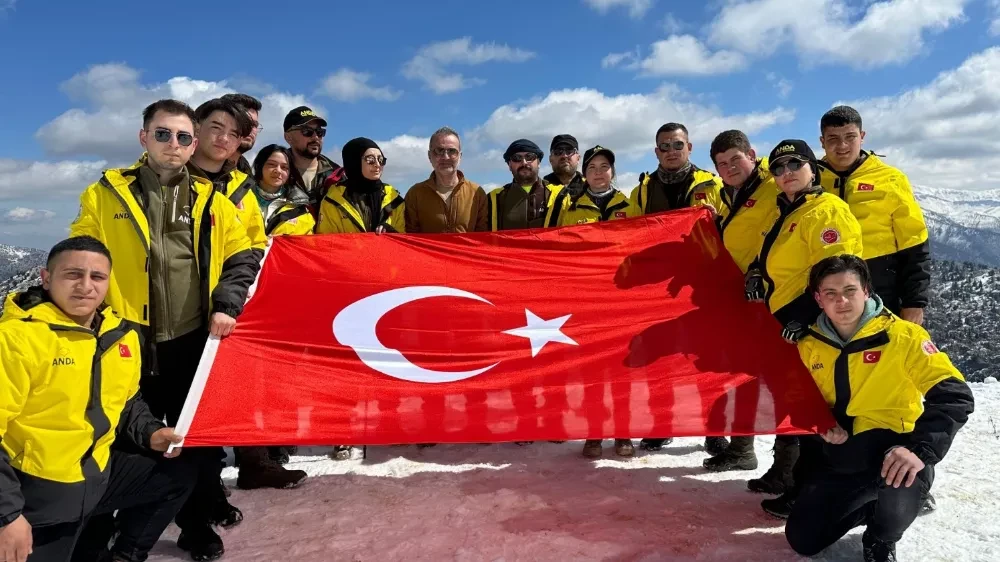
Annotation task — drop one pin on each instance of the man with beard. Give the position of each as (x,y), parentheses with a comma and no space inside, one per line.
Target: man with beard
(310,170)
(252,106)
(524,202)
(565,160)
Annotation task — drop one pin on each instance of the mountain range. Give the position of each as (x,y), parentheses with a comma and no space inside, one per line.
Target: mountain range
(963,225)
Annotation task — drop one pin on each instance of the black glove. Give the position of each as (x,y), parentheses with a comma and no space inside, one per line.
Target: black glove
(793,332)
(753,285)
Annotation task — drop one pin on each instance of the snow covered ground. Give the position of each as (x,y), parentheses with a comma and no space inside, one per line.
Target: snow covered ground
(545,502)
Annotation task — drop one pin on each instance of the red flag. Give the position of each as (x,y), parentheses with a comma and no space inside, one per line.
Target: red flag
(629,328)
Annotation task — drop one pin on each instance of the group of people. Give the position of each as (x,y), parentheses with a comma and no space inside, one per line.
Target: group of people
(98,360)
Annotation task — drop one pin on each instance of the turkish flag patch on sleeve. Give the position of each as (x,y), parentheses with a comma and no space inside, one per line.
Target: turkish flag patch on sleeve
(830,236)
(124,351)
(700,196)
(929,347)
(872,356)
(619,214)
(866,187)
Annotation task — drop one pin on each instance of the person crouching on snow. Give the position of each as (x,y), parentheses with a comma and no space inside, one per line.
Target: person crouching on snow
(898,402)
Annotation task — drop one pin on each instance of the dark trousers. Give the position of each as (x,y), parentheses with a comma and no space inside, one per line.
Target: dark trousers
(146,490)
(165,393)
(831,504)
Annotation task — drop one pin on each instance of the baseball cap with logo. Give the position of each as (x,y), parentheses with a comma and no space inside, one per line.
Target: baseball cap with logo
(791,148)
(592,152)
(300,116)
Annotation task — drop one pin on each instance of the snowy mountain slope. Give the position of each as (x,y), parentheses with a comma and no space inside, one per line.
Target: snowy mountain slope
(963,225)
(545,502)
(15,260)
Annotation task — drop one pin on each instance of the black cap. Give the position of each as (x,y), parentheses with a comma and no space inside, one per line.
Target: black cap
(564,139)
(521,145)
(591,153)
(791,147)
(300,116)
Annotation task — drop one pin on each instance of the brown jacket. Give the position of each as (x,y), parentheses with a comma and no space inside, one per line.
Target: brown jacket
(427,213)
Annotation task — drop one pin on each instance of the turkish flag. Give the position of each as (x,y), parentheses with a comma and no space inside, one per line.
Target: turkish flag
(629,328)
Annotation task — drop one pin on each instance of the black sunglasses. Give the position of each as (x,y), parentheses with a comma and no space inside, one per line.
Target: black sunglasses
(676,145)
(790,165)
(529,157)
(567,151)
(164,136)
(308,132)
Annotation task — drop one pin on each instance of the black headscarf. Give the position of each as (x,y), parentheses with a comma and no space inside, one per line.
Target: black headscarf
(353,153)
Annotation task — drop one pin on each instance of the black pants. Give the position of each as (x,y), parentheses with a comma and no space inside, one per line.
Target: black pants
(147,491)
(830,504)
(177,362)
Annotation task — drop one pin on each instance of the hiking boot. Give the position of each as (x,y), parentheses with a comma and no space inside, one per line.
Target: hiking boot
(201,543)
(730,460)
(779,507)
(715,446)
(649,444)
(624,447)
(226,516)
(259,470)
(876,550)
(280,455)
(778,479)
(929,504)
(341,453)
(592,449)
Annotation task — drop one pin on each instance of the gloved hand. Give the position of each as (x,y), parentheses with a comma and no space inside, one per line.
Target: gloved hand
(753,286)
(793,332)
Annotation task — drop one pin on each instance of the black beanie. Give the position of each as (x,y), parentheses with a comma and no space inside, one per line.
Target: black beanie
(352,154)
(521,145)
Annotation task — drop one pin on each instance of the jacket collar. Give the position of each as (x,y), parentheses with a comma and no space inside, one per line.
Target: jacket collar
(35,305)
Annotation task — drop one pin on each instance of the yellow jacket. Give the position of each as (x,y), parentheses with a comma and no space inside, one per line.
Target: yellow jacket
(886,378)
(815,226)
(291,219)
(507,203)
(64,390)
(705,189)
(338,215)
(747,214)
(583,210)
(110,212)
(893,227)
(239,191)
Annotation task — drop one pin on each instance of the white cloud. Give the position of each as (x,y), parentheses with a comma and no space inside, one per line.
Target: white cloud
(781,84)
(686,55)
(995,23)
(625,123)
(828,31)
(943,134)
(349,85)
(626,181)
(615,59)
(636,8)
(24,214)
(113,96)
(430,64)
(22,179)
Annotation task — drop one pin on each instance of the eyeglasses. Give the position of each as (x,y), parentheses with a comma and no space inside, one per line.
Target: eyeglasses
(675,145)
(257,126)
(564,152)
(372,160)
(527,157)
(445,152)
(308,132)
(164,136)
(790,165)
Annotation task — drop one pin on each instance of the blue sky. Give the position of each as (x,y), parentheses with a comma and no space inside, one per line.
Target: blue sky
(608,71)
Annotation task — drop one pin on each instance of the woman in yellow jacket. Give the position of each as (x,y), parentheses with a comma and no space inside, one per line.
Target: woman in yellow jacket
(600,201)
(898,402)
(285,207)
(810,225)
(361,202)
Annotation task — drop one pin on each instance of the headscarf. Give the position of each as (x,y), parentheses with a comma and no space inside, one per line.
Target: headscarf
(353,153)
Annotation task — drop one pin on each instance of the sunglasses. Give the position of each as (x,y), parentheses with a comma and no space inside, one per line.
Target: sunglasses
(564,152)
(372,160)
(676,145)
(448,152)
(308,132)
(791,165)
(164,136)
(529,157)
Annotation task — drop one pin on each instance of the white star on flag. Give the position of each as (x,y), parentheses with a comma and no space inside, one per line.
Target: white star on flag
(541,332)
